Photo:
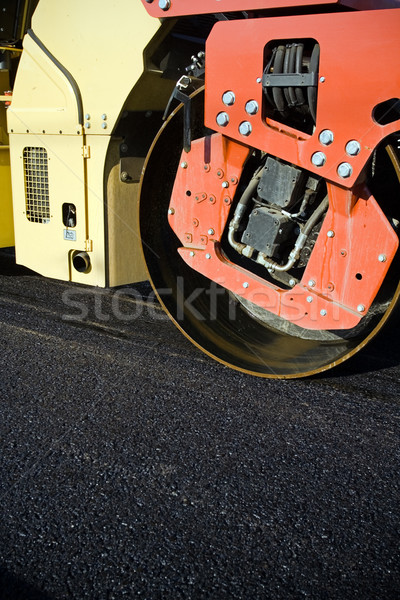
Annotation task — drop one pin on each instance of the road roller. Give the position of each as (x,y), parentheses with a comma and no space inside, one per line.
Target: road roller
(242,155)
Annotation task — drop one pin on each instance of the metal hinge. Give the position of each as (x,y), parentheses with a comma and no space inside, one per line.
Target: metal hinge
(86,151)
(89,245)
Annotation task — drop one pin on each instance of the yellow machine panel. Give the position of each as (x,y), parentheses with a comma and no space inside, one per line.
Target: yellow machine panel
(6,213)
(70,90)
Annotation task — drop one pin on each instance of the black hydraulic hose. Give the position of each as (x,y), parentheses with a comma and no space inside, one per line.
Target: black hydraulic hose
(276,91)
(299,67)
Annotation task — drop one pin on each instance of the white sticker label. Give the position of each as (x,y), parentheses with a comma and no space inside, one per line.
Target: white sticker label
(70,235)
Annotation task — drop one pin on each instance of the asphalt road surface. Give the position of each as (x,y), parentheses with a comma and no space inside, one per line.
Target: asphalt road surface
(133,466)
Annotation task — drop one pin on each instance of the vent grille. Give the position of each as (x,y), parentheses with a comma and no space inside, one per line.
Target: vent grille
(36,185)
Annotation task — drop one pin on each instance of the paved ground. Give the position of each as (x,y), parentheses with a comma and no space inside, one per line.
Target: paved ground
(132,466)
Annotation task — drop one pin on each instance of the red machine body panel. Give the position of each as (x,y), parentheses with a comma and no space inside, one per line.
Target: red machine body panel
(178,8)
(198,214)
(345,107)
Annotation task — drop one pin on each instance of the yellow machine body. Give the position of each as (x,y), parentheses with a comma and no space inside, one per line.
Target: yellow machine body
(70,90)
(6,210)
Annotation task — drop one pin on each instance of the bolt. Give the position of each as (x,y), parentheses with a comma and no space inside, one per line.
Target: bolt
(322,79)
(326,137)
(208,256)
(184,165)
(234,180)
(309,299)
(251,107)
(311,283)
(227,200)
(318,159)
(382,258)
(211,231)
(164,4)
(323,313)
(171,211)
(330,234)
(104,117)
(361,308)
(245,128)
(245,285)
(212,199)
(353,148)
(87,117)
(124,176)
(207,168)
(225,184)
(222,119)
(259,80)
(192,253)
(344,170)
(87,125)
(228,98)
(292,282)
(104,125)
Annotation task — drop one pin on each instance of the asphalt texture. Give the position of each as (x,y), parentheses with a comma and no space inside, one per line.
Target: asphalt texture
(133,466)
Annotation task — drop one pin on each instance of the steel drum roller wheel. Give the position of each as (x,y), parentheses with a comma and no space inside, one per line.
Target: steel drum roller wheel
(227,331)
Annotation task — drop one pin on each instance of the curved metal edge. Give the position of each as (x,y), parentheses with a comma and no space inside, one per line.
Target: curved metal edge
(65,72)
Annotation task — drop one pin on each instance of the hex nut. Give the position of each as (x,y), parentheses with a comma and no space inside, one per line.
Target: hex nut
(228,98)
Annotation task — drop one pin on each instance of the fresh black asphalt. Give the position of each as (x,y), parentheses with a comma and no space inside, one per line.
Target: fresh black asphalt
(133,466)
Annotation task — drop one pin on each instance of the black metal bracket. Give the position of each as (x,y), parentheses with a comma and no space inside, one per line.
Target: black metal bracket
(290,80)
(179,95)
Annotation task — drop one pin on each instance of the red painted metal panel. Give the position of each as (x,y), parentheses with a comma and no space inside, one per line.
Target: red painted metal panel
(356,73)
(176,8)
(346,272)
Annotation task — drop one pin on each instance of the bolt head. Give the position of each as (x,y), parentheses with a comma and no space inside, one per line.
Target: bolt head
(326,137)
(330,234)
(245,285)
(321,79)
(382,258)
(245,128)
(344,170)
(361,308)
(251,107)
(184,165)
(192,253)
(318,159)
(211,231)
(104,125)
(87,125)
(309,299)
(208,256)
(353,148)
(311,283)
(323,313)
(104,117)
(225,184)
(228,98)
(222,119)
(171,211)
(292,282)
(164,4)
(87,116)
